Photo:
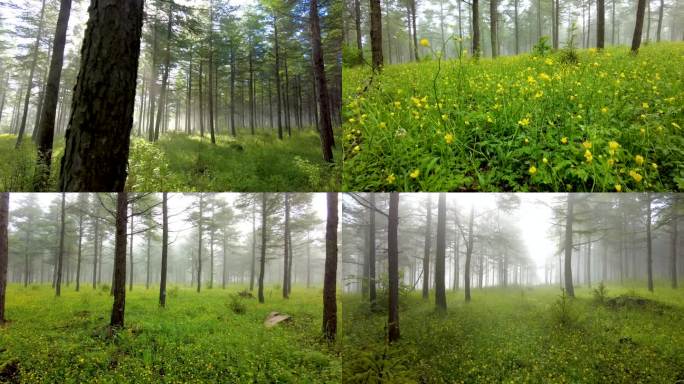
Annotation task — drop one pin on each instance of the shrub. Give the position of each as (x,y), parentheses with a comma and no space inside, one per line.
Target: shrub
(562,311)
(600,293)
(542,48)
(236,304)
(569,52)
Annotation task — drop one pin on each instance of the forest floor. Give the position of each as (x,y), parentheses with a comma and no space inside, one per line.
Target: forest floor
(188,163)
(609,122)
(197,338)
(521,335)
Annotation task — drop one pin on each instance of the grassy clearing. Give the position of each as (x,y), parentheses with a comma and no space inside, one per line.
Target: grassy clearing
(611,122)
(189,163)
(521,336)
(197,338)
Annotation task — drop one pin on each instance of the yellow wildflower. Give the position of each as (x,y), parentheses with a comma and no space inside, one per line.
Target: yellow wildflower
(618,187)
(533,170)
(586,144)
(644,105)
(391,178)
(545,160)
(636,176)
(588,156)
(539,94)
(544,76)
(449,138)
(564,140)
(415,174)
(524,122)
(424,42)
(445,117)
(357,149)
(613,145)
(604,110)
(654,166)
(382,125)
(548,61)
(639,159)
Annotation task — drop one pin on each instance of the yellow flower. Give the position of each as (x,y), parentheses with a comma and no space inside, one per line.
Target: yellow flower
(618,187)
(611,162)
(636,176)
(639,159)
(415,173)
(654,166)
(564,140)
(588,156)
(545,160)
(524,122)
(391,178)
(445,117)
(449,138)
(586,144)
(539,94)
(357,149)
(397,104)
(382,125)
(644,105)
(544,76)
(425,42)
(604,110)
(532,170)
(613,145)
(548,61)
(352,120)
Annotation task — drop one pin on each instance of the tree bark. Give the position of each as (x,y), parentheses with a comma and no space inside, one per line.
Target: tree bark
(119,283)
(649,240)
(639,26)
(569,217)
(165,75)
(60,254)
(199,246)
(393,268)
(253,266)
(326,131)
(660,20)
(165,250)
(493,24)
(98,137)
(277,76)
(371,252)
(46,129)
(440,257)
(330,277)
(601,24)
(286,238)
(376,34)
(469,254)
(357,24)
(476,27)
(264,240)
(80,248)
(95,250)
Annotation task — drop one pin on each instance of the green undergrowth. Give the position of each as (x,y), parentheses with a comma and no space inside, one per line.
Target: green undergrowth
(521,335)
(609,122)
(197,338)
(190,163)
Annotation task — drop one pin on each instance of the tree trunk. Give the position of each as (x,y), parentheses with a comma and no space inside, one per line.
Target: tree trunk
(165,75)
(426,248)
(34,61)
(130,254)
(639,26)
(233,70)
(60,254)
(601,24)
(393,268)
(673,253)
(415,32)
(165,249)
(326,131)
(440,257)
(371,252)
(277,76)
(588,264)
(119,283)
(476,27)
(153,83)
(469,254)
(99,133)
(200,229)
(253,266)
(4,251)
(95,250)
(147,268)
(376,34)
(493,22)
(569,217)
(516,26)
(46,129)
(264,240)
(330,277)
(660,20)
(80,248)
(456,260)
(211,73)
(286,237)
(357,24)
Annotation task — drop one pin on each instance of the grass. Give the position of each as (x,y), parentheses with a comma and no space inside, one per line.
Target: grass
(197,338)
(188,163)
(611,122)
(516,336)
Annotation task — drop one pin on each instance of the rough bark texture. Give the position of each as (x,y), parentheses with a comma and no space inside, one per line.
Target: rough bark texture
(393,268)
(46,129)
(253,266)
(98,136)
(569,289)
(277,76)
(476,27)
(200,228)
(493,16)
(440,257)
(286,245)
(376,33)
(649,241)
(371,252)
(639,26)
(357,24)
(330,277)
(119,284)
(326,131)
(4,251)
(264,240)
(469,254)
(165,249)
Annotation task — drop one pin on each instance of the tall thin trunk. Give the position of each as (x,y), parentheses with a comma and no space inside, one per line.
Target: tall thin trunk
(673,252)
(264,240)
(660,20)
(393,268)
(253,265)
(96,241)
(326,131)
(147,267)
(440,257)
(415,32)
(165,75)
(130,254)
(200,229)
(469,254)
(233,70)
(80,248)
(357,24)
(119,283)
(376,34)
(601,23)
(29,87)
(211,72)
(165,249)
(649,240)
(569,218)
(475,25)
(277,76)
(60,254)
(639,26)
(426,249)
(371,251)
(492,24)
(516,25)
(286,237)
(330,276)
